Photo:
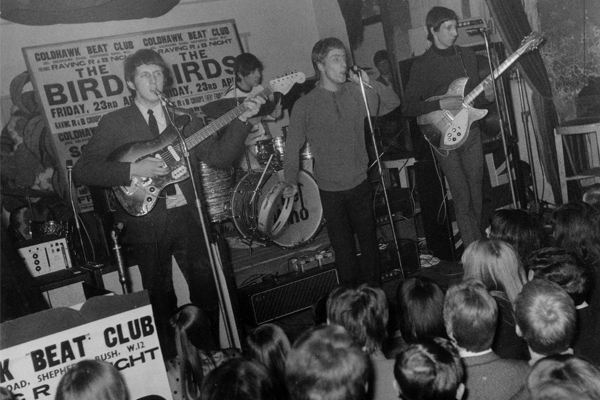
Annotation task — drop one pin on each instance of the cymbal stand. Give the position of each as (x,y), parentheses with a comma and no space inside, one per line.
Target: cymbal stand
(380,169)
(232,335)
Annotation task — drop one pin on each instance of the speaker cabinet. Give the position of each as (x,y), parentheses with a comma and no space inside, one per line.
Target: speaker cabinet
(286,294)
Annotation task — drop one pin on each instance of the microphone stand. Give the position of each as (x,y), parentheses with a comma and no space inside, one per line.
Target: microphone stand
(509,169)
(379,167)
(229,331)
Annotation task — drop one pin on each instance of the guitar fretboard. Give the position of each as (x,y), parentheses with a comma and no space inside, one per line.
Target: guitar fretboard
(221,122)
(495,74)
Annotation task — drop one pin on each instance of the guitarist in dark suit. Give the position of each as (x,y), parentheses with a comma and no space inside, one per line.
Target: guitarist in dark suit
(431,75)
(172,227)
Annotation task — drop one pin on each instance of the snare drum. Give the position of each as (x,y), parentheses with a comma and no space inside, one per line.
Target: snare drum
(216,185)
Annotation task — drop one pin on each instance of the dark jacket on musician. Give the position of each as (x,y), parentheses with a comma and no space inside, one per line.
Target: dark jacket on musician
(126,126)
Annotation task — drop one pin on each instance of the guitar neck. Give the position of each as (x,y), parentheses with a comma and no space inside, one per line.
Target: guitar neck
(221,122)
(490,78)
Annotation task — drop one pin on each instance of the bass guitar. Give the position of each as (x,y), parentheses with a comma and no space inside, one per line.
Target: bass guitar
(140,197)
(449,129)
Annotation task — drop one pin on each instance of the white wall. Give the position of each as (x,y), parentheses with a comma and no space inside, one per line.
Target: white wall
(279,32)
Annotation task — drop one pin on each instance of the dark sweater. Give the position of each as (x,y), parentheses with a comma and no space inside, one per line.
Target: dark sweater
(333,124)
(431,75)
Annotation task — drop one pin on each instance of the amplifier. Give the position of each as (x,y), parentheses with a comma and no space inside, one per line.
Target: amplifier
(45,257)
(285,294)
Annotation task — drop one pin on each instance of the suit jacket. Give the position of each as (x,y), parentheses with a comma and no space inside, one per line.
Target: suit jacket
(490,377)
(128,125)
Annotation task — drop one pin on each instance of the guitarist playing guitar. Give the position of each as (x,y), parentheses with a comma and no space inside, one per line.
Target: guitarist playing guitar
(172,227)
(431,75)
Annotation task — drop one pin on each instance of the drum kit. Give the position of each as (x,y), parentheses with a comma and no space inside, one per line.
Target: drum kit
(256,205)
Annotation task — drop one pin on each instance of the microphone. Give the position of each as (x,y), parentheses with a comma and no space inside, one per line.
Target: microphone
(163,98)
(477,31)
(357,70)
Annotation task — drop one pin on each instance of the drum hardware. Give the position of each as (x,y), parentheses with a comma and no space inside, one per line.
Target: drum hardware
(114,235)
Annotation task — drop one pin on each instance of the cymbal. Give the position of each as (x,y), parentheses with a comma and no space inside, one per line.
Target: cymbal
(217,108)
(26,192)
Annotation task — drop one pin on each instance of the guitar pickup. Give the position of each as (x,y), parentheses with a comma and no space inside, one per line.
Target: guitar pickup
(179,172)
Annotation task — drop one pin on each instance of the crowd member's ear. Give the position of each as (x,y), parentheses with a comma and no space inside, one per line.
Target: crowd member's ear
(518,331)
(460,391)
(397,387)
(530,275)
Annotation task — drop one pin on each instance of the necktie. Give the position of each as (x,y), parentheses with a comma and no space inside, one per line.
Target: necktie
(152,123)
(169,190)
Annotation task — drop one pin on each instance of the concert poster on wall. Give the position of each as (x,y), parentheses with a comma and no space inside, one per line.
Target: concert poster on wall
(78,82)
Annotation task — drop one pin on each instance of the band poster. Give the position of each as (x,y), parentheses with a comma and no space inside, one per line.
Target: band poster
(78,82)
(127,339)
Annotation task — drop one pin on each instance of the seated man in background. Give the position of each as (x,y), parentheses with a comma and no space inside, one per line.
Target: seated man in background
(471,316)
(364,313)
(326,364)
(429,369)
(546,319)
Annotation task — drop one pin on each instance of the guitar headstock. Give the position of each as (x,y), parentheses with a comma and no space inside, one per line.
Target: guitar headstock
(284,83)
(531,41)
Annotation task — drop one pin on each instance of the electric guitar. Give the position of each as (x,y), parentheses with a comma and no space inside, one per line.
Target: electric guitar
(449,129)
(140,197)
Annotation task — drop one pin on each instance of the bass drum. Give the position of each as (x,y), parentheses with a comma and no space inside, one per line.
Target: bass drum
(306,217)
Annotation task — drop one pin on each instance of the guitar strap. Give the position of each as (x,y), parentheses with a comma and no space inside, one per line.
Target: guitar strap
(458,51)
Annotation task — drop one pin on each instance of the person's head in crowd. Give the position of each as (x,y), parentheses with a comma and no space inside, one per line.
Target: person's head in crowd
(192,336)
(430,369)
(321,50)
(363,312)
(545,317)
(325,363)
(577,229)
(270,345)
(248,70)
(92,380)
(420,309)
(592,195)
(436,17)
(519,228)
(6,394)
(496,264)
(471,315)
(564,376)
(563,268)
(239,379)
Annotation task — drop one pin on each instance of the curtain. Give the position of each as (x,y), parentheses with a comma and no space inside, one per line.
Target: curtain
(511,20)
(49,12)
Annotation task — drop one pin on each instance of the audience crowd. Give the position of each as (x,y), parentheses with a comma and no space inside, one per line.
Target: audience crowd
(523,323)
